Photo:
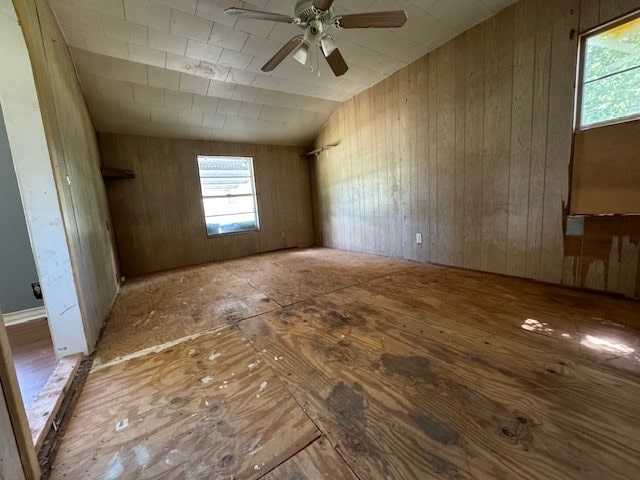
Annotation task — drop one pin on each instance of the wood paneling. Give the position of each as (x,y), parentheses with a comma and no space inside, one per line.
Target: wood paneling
(469,146)
(158,217)
(75,157)
(607,256)
(594,13)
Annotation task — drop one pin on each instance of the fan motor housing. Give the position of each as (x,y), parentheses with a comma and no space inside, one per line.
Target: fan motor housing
(313,33)
(307,13)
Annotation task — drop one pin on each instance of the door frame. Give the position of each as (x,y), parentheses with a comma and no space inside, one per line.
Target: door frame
(10,390)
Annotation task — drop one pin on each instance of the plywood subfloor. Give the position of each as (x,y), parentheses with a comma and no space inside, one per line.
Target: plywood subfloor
(160,308)
(319,461)
(33,356)
(374,368)
(202,409)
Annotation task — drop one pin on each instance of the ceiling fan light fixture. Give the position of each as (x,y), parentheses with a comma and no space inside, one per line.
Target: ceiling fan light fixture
(328,45)
(301,53)
(315,17)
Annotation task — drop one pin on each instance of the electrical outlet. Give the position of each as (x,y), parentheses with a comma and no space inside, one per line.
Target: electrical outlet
(419,238)
(37,292)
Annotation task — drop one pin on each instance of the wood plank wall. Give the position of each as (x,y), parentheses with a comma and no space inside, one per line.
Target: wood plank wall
(75,155)
(158,216)
(471,147)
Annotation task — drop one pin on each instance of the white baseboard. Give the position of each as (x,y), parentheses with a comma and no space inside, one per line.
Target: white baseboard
(23,316)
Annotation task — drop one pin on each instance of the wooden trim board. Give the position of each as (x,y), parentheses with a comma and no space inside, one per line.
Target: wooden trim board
(48,403)
(15,407)
(10,464)
(24,316)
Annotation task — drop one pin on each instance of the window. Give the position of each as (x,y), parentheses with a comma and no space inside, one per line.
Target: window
(228,194)
(610,78)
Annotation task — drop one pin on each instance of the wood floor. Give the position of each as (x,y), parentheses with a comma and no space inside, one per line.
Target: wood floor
(325,364)
(33,356)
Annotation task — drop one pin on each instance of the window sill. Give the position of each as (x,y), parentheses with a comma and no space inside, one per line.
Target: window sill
(218,235)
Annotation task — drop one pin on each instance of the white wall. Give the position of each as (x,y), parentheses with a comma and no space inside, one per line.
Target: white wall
(32,163)
(18,270)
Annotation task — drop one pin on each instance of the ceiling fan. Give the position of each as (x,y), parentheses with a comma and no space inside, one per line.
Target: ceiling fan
(316,17)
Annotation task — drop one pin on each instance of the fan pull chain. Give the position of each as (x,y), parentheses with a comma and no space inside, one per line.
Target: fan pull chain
(311,63)
(318,60)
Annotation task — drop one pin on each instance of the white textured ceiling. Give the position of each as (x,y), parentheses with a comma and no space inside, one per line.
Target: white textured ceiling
(184,69)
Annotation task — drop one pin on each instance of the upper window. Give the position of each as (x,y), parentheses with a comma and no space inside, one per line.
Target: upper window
(611,75)
(228,194)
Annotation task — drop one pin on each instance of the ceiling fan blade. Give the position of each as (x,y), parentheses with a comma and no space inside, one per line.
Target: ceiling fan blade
(392,19)
(322,5)
(336,61)
(258,15)
(328,45)
(281,54)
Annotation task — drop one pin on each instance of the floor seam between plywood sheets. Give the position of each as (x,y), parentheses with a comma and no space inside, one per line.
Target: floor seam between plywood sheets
(99,365)
(322,433)
(255,288)
(320,295)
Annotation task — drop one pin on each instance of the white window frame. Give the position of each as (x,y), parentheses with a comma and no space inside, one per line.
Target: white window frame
(581,67)
(254,194)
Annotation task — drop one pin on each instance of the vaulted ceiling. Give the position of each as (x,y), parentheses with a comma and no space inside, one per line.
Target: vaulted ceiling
(184,69)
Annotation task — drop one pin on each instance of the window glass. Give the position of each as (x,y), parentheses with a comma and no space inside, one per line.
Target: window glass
(611,75)
(228,194)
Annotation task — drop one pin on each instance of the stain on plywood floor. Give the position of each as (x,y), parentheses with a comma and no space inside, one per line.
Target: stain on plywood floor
(342,365)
